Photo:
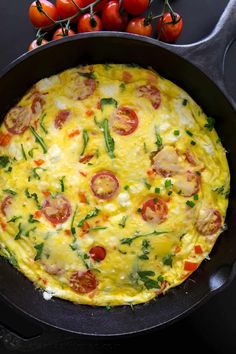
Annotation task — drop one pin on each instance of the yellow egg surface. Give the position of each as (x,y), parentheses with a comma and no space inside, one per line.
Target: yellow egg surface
(114,185)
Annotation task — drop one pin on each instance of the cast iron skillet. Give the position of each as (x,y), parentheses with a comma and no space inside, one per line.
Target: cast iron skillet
(198,69)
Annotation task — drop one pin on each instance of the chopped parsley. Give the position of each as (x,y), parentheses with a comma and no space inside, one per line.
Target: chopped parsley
(189,133)
(90,215)
(123,221)
(129,240)
(19,233)
(33,196)
(210,123)
(4,161)
(149,283)
(168,260)
(168,183)
(184,102)
(176,132)
(147,185)
(195,197)
(31,219)
(145,250)
(34,173)
(39,251)
(157,190)
(126,187)
(29,231)
(14,218)
(108,101)
(190,203)
(193,142)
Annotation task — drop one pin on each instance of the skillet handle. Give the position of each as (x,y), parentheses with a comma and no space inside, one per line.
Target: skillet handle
(209,53)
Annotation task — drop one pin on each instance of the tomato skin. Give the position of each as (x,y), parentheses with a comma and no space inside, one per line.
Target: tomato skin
(137,26)
(154,210)
(18,120)
(83,282)
(85,24)
(7,201)
(151,93)
(209,222)
(34,44)
(57,210)
(58,34)
(104,185)
(97,253)
(98,8)
(135,7)
(61,118)
(112,19)
(190,266)
(38,19)
(66,8)
(125,121)
(169,32)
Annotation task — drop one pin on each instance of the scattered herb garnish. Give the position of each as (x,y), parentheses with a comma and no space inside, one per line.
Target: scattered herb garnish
(123,221)
(14,218)
(23,152)
(31,219)
(109,141)
(184,102)
(160,278)
(107,66)
(158,139)
(97,153)
(122,86)
(188,132)
(126,187)
(136,235)
(145,148)
(33,196)
(193,142)
(39,250)
(34,173)
(85,141)
(168,260)
(90,215)
(96,228)
(72,228)
(108,101)
(147,185)
(176,132)
(195,197)
(108,308)
(62,183)
(42,124)
(90,75)
(168,183)
(190,203)
(10,256)
(145,250)
(31,152)
(147,281)
(139,210)
(4,161)
(19,233)
(157,190)
(221,191)
(26,234)
(210,123)
(10,191)
(39,140)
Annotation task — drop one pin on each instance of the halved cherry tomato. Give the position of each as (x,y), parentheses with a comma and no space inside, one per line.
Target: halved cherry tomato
(209,221)
(35,44)
(83,282)
(5,139)
(169,29)
(97,253)
(89,23)
(61,118)
(85,88)
(7,201)
(154,210)
(104,184)
(66,8)
(135,7)
(139,26)
(124,121)
(37,103)
(98,7)
(198,249)
(112,19)
(166,162)
(38,19)
(190,266)
(57,209)
(187,184)
(58,34)
(151,93)
(18,120)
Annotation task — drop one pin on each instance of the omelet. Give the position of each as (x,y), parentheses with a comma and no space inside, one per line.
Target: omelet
(114,185)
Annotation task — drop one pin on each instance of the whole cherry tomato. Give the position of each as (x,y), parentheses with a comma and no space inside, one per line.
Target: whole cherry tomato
(135,7)
(89,23)
(98,7)
(112,19)
(35,44)
(39,19)
(169,28)
(59,33)
(66,8)
(138,25)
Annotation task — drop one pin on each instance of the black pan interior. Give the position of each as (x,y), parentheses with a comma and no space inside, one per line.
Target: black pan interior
(123,48)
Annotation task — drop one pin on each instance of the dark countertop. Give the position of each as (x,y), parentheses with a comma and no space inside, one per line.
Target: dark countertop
(211,328)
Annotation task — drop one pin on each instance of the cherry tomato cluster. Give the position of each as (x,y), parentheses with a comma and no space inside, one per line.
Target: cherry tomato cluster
(92,16)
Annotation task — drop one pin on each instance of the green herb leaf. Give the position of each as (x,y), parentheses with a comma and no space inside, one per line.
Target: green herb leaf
(90,215)
(188,132)
(184,102)
(123,221)
(31,152)
(85,141)
(42,123)
(39,140)
(168,260)
(10,256)
(126,187)
(148,282)
(190,203)
(33,196)
(14,218)
(72,228)
(31,219)
(27,233)
(176,132)
(19,233)
(10,191)
(96,228)
(4,161)
(145,250)
(34,173)
(210,123)
(158,139)
(131,239)
(160,278)
(90,75)
(195,197)
(145,148)
(109,141)
(62,184)
(122,87)
(168,183)
(108,101)
(39,250)
(193,142)
(157,190)
(147,185)
(23,152)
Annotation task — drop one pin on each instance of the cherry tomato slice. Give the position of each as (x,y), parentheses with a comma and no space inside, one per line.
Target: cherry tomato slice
(83,282)
(168,29)
(124,121)
(7,201)
(151,93)
(38,19)
(154,210)
(18,120)
(104,184)
(112,19)
(66,8)
(209,221)
(97,253)
(138,26)
(58,34)
(5,139)
(61,118)
(37,103)
(135,7)
(98,8)
(57,210)
(85,88)
(34,44)
(88,23)
(187,184)
(190,266)
(166,162)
